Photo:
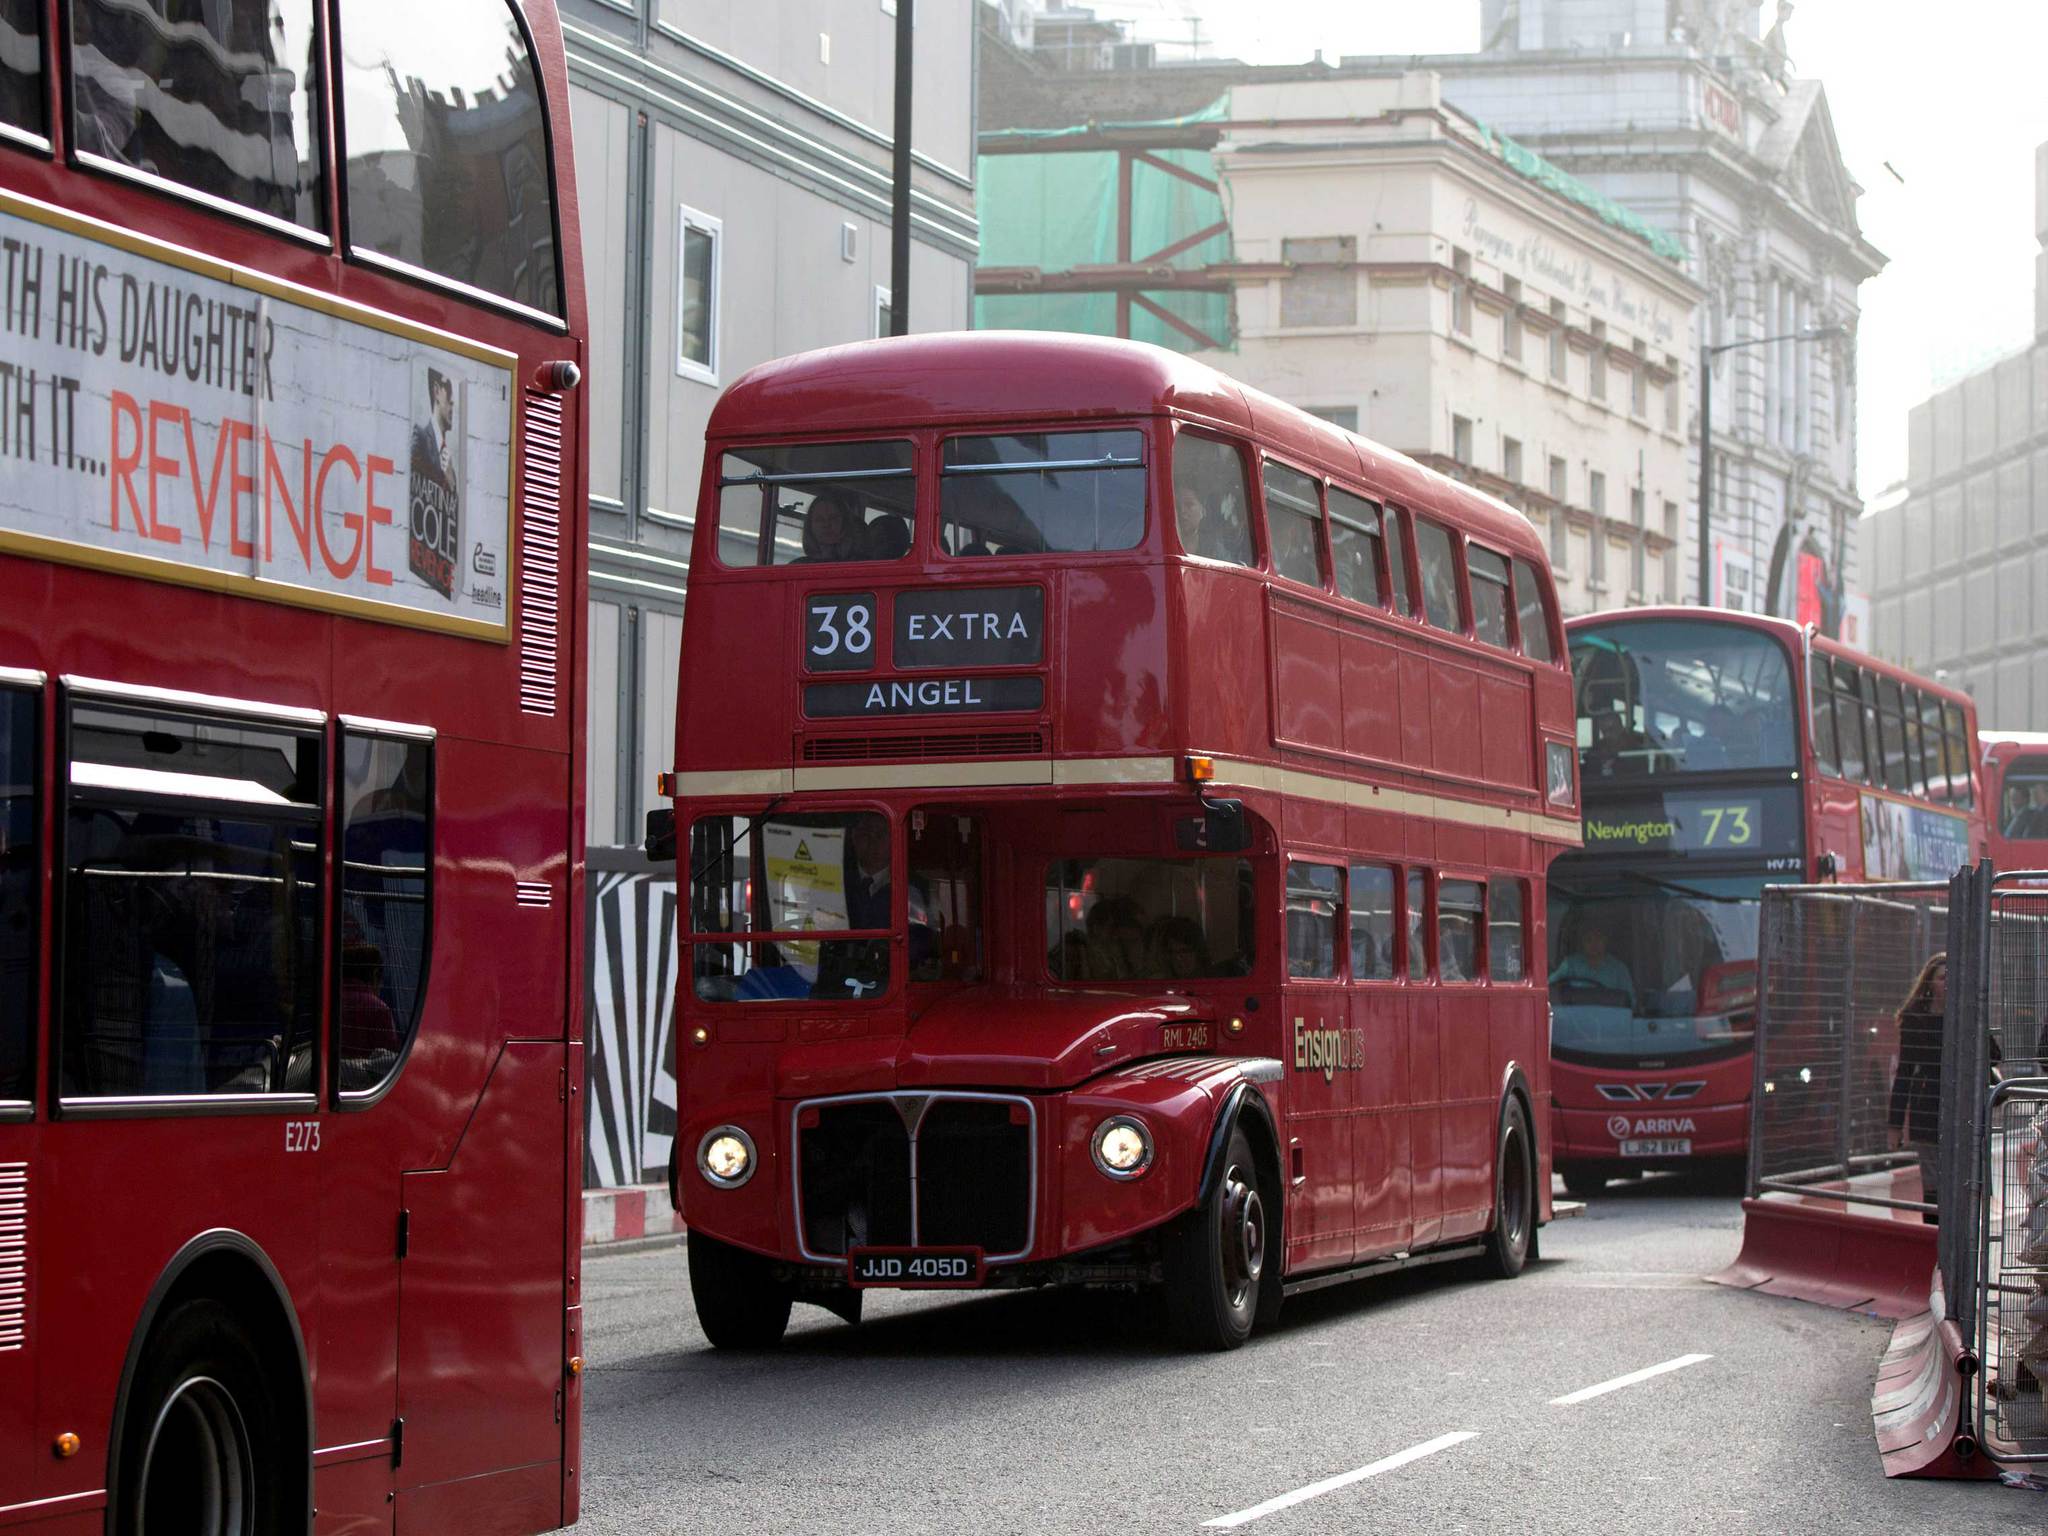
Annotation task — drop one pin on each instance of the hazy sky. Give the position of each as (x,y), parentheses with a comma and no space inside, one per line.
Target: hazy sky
(1950,94)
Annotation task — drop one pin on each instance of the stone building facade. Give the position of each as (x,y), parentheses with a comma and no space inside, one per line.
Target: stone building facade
(733,158)
(1395,273)
(1689,112)
(1959,568)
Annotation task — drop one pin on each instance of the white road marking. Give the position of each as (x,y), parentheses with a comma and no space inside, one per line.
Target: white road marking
(1342,1480)
(1585,1393)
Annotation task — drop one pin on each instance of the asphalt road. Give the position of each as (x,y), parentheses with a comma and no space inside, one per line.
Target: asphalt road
(1067,1412)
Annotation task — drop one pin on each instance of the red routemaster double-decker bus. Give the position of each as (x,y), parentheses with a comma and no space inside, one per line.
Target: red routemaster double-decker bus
(1720,752)
(1114,807)
(290,767)
(2016,797)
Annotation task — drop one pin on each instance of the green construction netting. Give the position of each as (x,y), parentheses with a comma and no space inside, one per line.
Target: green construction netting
(1526,162)
(1057,210)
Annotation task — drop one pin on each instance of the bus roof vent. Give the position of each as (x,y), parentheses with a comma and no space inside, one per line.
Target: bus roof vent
(13,1256)
(924,744)
(540,552)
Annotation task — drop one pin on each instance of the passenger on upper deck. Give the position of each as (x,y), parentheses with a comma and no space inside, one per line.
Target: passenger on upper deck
(834,529)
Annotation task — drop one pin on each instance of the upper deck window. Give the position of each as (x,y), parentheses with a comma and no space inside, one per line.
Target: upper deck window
(21,66)
(1679,696)
(1294,523)
(1355,546)
(1439,575)
(1532,613)
(815,504)
(1210,507)
(221,98)
(446,146)
(2023,808)
(1490,598)
(1042,493)
(1960,739)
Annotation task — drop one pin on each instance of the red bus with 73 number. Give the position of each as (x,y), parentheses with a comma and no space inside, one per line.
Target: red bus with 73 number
(290,767)
(1113,809)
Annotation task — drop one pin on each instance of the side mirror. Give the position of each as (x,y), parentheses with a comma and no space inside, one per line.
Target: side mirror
(1221,828)
(660,841)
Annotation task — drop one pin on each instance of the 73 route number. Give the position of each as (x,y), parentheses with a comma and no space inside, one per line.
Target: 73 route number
(1726,826)
(839,632)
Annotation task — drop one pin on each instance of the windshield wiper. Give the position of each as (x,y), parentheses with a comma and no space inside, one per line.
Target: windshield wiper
(1576,893)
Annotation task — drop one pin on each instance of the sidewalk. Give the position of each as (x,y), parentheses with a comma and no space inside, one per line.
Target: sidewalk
(630,1215)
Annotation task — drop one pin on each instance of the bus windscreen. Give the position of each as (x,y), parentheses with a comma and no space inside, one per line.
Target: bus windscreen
(2023,807)
(1675,696)
(1643,967)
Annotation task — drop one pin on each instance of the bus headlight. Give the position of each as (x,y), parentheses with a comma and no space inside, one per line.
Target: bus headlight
(1122,1147)
(726,1156)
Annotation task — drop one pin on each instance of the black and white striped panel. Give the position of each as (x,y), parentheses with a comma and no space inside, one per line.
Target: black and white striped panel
(630,1106)
(13,1255)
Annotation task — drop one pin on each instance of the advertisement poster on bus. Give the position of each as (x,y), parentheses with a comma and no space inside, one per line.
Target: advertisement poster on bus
(168,415)
(1911,842)
(806,884)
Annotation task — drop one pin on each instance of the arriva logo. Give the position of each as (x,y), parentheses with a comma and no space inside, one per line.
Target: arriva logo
(1620,1127)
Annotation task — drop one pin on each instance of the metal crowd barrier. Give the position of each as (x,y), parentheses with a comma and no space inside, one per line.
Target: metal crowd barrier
(1835,964)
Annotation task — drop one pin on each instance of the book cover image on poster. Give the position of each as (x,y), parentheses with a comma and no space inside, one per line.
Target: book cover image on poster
(436,484)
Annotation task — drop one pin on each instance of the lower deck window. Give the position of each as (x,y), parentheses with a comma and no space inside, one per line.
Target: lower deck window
(1148,919)
(1460,911)
(191,905)
(18,865)
(386,841)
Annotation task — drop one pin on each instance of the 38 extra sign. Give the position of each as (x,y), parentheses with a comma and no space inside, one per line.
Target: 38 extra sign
(168,414)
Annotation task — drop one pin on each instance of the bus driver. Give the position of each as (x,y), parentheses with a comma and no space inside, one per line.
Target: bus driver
(1592,963)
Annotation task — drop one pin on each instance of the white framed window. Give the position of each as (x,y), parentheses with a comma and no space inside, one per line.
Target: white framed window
(885,309)
(700,288)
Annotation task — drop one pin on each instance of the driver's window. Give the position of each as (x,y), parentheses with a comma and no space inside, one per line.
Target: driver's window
(943,891)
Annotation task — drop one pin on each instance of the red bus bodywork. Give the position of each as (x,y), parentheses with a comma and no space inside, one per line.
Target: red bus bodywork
(407,1259)
(1350,732)
(1682,1098)
(2015,809)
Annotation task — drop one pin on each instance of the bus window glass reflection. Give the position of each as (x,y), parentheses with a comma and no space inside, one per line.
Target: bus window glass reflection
(221,98)
(446,145)
(1042,493)
(385,918)
(21,66)
(1490,598)
(1439,576)
(1315,895)
(1959,741)
(1372,922)
(1676,696)
(1417,915)
(943,896)
(1355,551)
(2023,806)
(1460,914)
(1294,523)
(1532,617)
(1505,946)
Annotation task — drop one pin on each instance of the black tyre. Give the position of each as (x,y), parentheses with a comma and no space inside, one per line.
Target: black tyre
(1513,1237)
(740,1304)
(205,1446)
(1219,1261)
(1582,1181)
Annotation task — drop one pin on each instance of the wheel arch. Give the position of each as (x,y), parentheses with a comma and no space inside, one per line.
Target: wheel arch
(1244,1105)
(230,1267)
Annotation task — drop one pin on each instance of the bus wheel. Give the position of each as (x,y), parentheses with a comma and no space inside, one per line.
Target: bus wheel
(740,1304)
(1514,1196)
(1216,1258)
(1582,1181)
(202,1450)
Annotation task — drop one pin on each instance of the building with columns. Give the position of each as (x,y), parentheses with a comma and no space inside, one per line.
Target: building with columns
(1690,113)
(1959,568)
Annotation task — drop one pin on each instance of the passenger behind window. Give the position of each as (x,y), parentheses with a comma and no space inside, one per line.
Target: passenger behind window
(887,538)
(1116,940)
(835,529)
(1179,953)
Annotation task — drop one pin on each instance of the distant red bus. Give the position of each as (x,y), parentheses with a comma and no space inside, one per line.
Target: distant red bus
(291,574)
(1115,807)
(2016,797)
(1720,752)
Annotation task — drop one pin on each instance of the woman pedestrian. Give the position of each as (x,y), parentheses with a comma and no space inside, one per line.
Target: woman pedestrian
(1915,1115)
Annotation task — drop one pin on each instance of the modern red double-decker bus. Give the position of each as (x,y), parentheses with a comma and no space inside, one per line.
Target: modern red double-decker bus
(2016,797)
(1114,807)
(290,767)
(1720,752)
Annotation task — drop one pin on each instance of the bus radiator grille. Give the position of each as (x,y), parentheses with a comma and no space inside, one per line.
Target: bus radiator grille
(854,1168)
(973,1177)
